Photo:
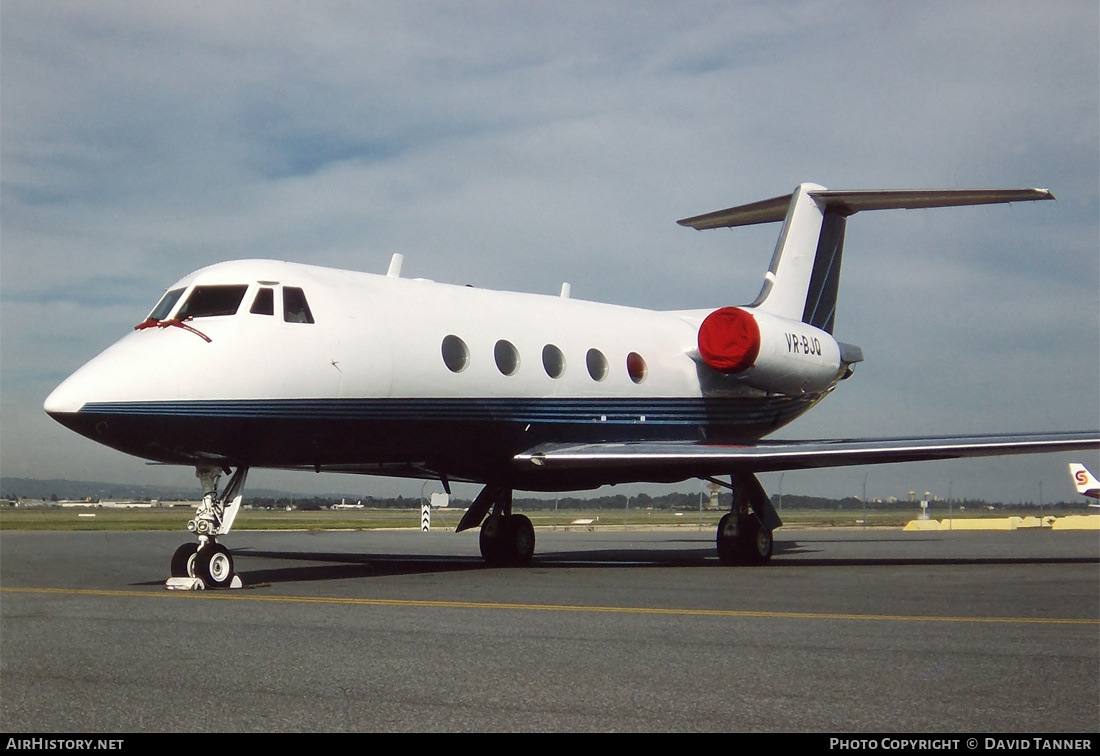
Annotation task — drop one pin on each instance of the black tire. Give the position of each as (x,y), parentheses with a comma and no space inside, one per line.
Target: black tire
(520,540)
(757,543)
(728,540)
(491,540)
(183,560)
(214,566)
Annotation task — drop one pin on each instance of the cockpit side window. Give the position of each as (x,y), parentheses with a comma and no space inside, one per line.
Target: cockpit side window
(165,305)
(295,307)
(209,301)
(264,303)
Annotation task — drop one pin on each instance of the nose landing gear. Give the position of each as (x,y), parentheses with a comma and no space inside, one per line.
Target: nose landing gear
(209,564)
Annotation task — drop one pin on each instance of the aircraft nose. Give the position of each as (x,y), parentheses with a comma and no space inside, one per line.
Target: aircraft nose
(91,382)
(102,378)
(67,398)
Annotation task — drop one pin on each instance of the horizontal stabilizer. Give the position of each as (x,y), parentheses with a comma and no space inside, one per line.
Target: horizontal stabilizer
(847,203)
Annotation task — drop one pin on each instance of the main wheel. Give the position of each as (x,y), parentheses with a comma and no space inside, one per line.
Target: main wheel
(757,542)
(520,539)
(728,540)
(183,560)
(492,539)
(507,540)
(214,566)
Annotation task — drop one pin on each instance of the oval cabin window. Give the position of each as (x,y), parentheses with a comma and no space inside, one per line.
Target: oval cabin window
(455,354)
(636,367)
(506,356)
(553,361)
(597,364)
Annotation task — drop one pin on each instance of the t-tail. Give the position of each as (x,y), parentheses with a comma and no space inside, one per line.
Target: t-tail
(804,276)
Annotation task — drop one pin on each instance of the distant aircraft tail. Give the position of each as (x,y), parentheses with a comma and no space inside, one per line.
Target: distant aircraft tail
(804,276)
(1086,483)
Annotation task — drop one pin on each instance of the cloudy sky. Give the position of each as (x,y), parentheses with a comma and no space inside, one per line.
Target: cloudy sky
(520,145)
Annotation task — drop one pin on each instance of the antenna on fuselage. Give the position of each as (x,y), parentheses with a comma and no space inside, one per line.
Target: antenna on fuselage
(565,290)
(395,265)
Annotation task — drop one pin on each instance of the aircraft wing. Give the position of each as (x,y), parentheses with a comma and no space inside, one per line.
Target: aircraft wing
(699,458)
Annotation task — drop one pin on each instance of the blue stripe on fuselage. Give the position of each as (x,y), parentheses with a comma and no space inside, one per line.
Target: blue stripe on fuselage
(690,411)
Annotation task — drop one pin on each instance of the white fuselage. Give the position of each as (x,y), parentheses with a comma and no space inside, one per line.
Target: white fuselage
(407,376)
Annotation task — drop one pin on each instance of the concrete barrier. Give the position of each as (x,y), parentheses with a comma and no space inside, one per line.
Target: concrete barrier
(1069,522)
(983,523)
(922,525)
(1077,522)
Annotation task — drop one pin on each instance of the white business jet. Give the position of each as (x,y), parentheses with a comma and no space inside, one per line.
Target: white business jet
(258,363)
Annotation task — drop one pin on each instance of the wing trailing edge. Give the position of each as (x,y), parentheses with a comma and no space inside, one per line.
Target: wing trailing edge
(699,458)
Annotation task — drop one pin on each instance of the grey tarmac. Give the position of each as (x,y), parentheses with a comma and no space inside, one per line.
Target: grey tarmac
(847,631)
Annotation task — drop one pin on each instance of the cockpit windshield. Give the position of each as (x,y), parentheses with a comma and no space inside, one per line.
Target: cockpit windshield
(208,301)
(295,307)
(165,305)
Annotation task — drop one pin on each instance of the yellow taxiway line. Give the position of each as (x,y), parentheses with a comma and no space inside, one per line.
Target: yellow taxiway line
(680,612)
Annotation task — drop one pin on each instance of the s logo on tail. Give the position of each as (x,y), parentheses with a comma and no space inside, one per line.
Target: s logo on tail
(1084,481)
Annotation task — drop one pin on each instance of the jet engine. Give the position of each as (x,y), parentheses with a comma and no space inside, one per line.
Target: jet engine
(770,353)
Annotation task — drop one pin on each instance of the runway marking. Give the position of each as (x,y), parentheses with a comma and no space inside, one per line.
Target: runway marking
(683,612)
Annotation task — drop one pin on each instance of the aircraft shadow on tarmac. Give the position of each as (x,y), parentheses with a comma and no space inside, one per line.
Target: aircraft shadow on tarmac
(349,566)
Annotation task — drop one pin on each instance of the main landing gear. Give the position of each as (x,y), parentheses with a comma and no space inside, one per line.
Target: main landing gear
(207,563)
(745,534)
(506,539)
(743,539)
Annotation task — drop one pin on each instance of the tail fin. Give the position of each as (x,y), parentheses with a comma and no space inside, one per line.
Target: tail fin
(1086,484)
(804,276)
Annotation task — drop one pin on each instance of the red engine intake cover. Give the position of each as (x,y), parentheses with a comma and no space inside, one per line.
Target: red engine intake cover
(729,340)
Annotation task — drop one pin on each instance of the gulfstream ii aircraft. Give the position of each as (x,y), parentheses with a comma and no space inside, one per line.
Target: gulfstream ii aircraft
(258,363)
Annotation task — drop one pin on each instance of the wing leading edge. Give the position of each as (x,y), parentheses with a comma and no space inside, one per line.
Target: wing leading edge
(700,458)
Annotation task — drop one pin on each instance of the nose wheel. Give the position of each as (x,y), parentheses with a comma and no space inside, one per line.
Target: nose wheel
(214,565)
(183,561)
(208,564)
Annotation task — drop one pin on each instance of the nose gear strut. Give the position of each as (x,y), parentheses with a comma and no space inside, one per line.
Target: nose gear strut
(213,516)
